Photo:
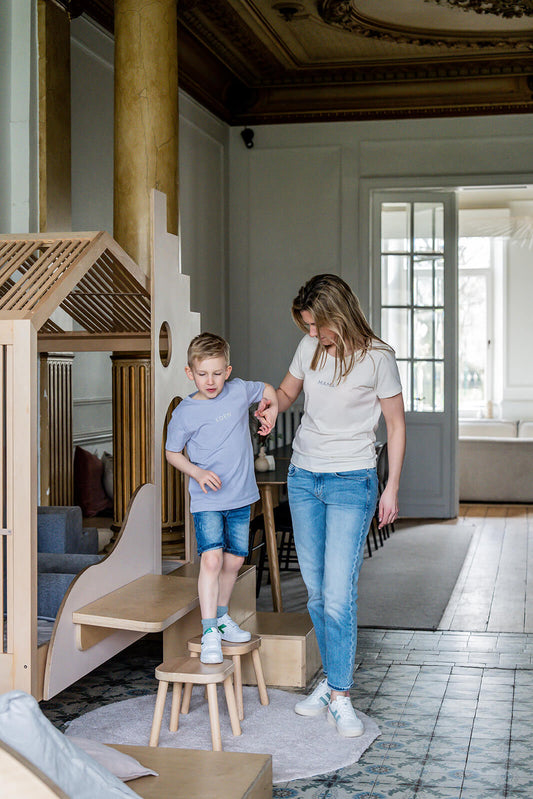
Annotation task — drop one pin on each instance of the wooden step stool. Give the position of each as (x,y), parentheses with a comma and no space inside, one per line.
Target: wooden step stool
(235,652)
(191,671)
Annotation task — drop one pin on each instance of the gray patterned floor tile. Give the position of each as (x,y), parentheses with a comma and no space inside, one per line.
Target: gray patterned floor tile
(434,718)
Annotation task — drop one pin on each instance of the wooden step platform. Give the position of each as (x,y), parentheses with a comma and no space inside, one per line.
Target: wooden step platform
(194,774)
(289,649)
(155,603)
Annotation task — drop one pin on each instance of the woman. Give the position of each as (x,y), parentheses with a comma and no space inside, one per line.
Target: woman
(349,377)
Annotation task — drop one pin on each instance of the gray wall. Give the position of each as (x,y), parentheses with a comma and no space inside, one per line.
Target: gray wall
(299,205)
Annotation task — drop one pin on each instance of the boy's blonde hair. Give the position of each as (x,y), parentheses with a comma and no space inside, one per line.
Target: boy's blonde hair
(207,345)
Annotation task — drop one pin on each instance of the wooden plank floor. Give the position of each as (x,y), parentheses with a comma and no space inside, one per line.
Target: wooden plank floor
(494,592)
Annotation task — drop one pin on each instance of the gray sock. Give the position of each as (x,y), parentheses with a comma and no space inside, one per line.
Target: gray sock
(221,610)
(207,623)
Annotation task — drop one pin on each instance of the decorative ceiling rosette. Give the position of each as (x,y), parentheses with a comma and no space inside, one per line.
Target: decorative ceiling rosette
(484,23)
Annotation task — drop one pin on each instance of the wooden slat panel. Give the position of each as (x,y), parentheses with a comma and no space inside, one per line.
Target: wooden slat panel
(42,275)
(88,275)
(18,250)
(92,288)
(55,272)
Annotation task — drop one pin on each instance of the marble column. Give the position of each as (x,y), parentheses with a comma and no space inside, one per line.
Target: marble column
(145,157)
(146,120)
(54,118)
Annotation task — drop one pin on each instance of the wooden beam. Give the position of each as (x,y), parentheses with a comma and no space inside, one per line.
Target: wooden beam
(90,342)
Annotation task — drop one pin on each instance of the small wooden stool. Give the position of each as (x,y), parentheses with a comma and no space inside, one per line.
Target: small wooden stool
(191,671)
(235,652)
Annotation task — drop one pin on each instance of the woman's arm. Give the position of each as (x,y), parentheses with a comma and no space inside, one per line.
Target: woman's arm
(394,415)
(288,391)
(285,395)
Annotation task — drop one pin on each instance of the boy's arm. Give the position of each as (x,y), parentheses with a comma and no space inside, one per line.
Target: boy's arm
(203,477)
(268,410)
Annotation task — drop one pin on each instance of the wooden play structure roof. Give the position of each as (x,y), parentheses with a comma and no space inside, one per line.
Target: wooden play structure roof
(89,276)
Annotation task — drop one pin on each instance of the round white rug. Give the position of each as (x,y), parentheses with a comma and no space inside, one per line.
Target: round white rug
(300,746)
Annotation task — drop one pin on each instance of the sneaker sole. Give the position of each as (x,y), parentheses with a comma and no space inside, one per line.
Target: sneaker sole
(210,661)
(236,640)
(345,733)
(311,711)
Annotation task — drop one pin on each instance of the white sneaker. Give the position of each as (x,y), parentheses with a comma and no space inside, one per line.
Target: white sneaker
(230,630)
(342,715)
(316,703)
(211,646)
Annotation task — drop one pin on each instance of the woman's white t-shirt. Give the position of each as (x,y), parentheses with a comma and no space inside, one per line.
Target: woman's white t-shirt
(338,428)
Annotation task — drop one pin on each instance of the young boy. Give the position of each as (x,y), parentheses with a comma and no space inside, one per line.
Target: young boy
(220,462)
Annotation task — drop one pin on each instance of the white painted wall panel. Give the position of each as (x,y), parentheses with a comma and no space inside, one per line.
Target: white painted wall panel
(203,226)
(293,204)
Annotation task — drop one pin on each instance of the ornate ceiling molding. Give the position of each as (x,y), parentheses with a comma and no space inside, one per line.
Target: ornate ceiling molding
(344,14)
(508,9)
(251,73)
(220,28)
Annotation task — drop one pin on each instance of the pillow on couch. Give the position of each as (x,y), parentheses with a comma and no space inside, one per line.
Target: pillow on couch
(125,767)
(26,729)
(89,491)
(107,479)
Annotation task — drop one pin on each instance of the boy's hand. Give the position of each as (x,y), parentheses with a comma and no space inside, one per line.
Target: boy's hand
(267,410)
(265,417)
(206,479)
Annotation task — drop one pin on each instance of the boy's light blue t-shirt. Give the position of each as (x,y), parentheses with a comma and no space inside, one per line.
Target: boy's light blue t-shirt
(216,433)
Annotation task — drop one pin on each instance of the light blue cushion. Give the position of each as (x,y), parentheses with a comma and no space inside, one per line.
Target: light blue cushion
(27,730)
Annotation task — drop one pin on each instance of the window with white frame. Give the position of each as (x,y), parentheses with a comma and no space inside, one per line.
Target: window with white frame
(481,261)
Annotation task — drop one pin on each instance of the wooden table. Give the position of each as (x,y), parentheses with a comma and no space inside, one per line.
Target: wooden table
(266,483)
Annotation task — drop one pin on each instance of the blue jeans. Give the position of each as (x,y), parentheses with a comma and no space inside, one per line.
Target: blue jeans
(228,530)
(331,514)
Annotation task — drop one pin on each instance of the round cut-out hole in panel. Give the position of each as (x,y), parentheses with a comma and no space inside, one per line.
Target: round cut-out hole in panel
(165,344)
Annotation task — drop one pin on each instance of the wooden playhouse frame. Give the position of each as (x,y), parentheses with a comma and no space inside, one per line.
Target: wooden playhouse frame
(90,277)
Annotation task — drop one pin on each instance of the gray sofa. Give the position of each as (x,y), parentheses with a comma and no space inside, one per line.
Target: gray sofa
(64,549)
(495,461)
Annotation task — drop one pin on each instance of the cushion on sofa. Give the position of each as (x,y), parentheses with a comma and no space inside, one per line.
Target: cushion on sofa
(27,730)
(56,571)
(62,563)
(525,430)
(491,428)
(89,491)
(121,765)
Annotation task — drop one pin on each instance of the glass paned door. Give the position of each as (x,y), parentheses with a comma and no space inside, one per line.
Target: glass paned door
(414,255)
(412,298)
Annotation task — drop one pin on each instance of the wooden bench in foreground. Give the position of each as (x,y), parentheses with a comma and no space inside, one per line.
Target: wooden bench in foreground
(183,774)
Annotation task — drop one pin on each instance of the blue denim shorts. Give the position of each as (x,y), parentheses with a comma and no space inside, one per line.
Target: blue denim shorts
(223,529)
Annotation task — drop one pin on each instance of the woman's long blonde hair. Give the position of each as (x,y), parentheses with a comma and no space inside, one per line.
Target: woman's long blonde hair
(332,304)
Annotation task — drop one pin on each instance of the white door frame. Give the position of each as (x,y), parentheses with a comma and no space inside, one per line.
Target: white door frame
(366,289)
